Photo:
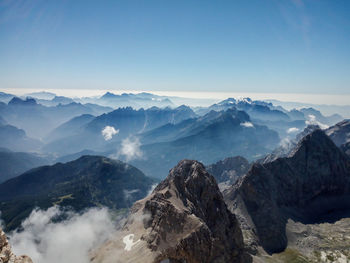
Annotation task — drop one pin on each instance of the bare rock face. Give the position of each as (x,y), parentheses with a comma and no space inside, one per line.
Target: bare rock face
(6,255)
(184,220)
(340,133)
(311,185)
(229,169)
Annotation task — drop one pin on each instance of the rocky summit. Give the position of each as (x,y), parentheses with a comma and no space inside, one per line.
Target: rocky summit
(311,185)
(6,254)
(184,220)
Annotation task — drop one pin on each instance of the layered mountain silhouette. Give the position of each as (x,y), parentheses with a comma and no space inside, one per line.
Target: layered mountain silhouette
(275,117)
(16,163)
(86,182)
(310,185)
(185,219)
(70,128)
(38,120)
(127,121)
(140,100)
(16,139)
(210,138)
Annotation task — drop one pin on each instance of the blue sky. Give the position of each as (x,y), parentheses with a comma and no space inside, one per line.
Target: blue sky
(273,46)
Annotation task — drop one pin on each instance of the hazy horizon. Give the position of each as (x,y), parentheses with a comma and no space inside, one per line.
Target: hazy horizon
(322,99)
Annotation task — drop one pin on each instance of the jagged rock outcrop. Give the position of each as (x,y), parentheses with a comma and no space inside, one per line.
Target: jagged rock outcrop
(346,148)
(6,254)
(184,220)
(288,145)
(310,185)
(340,134)
(229,169)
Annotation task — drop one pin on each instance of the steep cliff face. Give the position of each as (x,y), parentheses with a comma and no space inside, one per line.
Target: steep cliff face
(340,133)
(311,185)
(6,254)
(229,169)
(184,220)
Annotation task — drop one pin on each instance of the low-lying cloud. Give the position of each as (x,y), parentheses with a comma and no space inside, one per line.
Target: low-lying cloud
(66,241)
(313,121)
(108,132)
(131,149)
(292,130)
(247,124)
(153,186)
(128,193)
(286,144)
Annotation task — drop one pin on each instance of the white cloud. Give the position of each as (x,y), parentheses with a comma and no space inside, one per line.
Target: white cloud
(247,124)
(67,241)
(292,130)
(128,193)
(153,186)
(108,132)
(286,144)
(130,148)
(313,121)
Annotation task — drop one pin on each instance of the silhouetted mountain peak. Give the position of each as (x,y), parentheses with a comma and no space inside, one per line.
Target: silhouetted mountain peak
(26,102)
(108,95)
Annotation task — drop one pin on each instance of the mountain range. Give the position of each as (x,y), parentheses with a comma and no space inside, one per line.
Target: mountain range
(86,182)
(38,120)
(274,208)
(249,181)
(311,185)
(13,164)
(225,133)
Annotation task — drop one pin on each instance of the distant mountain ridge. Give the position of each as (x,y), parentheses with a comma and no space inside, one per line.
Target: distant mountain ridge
(15,163)
(127,121)
(17,140)
(38,120)
(224,134)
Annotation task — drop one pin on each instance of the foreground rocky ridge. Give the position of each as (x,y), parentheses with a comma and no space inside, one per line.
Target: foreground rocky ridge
(6,254)
(184,220)
(308,186)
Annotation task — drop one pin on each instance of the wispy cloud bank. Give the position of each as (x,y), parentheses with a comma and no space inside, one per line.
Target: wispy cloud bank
(108,132)
(66,241)
(131,148)
(128,193)
(313,121)
(153,186)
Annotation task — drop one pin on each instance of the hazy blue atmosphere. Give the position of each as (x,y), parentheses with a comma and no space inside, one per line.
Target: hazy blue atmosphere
(174,131)
(228,46)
